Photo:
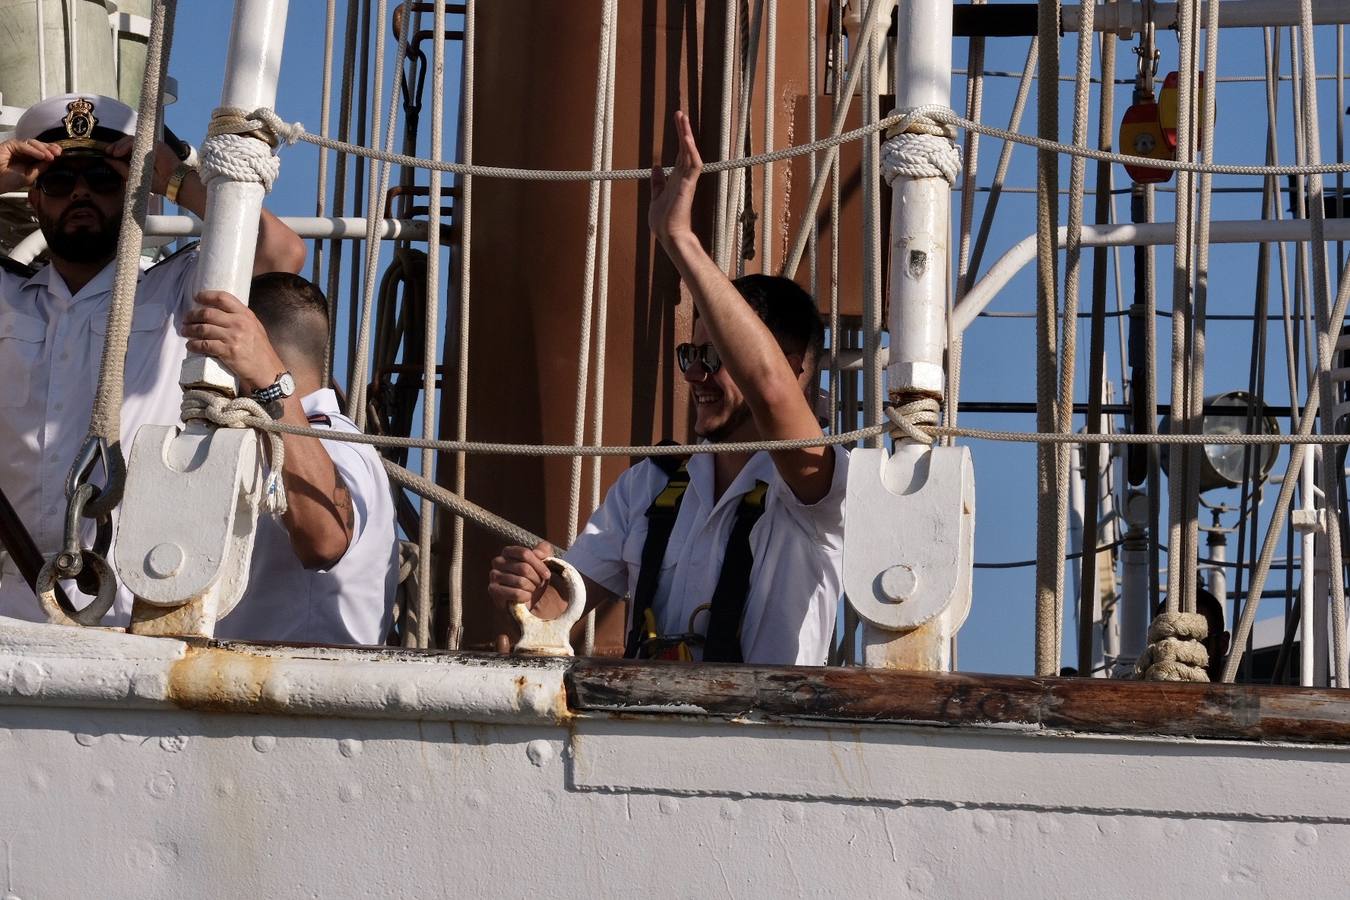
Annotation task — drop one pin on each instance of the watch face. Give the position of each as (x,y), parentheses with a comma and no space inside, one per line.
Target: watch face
(287,384)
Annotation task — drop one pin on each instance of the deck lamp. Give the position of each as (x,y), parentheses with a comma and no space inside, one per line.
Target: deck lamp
(1221,465)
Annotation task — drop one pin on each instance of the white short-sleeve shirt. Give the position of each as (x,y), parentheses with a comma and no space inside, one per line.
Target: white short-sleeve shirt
(51,345)
(795,580)
(352,602)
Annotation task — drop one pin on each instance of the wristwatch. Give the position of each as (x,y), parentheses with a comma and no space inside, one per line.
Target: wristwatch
(180,173)
(280,389)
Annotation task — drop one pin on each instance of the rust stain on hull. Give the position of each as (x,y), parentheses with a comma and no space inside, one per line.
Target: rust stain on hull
(210,678)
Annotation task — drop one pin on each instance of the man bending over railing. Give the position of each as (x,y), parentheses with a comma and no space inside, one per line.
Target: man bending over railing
(735,556)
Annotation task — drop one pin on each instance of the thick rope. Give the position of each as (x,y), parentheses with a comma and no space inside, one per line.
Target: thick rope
(1073,258)
(239,158)
(768,230)
(464,212)
(507,531)
(1176,650)
(105,420)
(1326,339)
(608,18)
(241,412)
(426,522)
(720,253)
(1049,482)
(920,155)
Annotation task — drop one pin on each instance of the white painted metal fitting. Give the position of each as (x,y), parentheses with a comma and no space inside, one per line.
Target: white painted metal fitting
(1309,521)
(932,495)
(552,637)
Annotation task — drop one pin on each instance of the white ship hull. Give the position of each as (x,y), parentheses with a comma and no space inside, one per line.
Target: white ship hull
(322,773)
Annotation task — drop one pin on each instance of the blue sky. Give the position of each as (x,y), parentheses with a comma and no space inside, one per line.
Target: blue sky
(998,352)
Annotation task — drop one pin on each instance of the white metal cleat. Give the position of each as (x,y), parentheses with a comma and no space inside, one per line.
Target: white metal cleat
(552,637)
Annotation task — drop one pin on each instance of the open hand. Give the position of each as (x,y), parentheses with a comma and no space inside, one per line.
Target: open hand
(221,327)
(673,195)
(21,162)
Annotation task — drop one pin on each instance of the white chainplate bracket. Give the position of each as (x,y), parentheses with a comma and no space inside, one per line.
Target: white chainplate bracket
(909,549)
(189,515)
(552,637)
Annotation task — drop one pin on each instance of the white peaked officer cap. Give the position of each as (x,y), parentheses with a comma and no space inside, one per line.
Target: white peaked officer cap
(79,123)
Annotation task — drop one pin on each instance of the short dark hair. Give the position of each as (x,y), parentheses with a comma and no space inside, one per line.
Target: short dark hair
(789,312)
(294,312)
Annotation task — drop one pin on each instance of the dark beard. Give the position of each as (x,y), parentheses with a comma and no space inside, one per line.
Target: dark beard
(727,428)
(83,246)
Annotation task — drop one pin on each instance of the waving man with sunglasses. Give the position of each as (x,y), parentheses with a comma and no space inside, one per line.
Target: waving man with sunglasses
(731,557)
(70,154)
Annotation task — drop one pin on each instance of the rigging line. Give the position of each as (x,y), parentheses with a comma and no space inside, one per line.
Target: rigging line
(1281,509)
(970,175)
(608,15)
(105,419)
(843,100)
(340,183)
(431,330)
(602,305)
(375,192)
(463,210)
(1247,526)
(1049,565)
(997,188)
(1028,563)
(736,200)
(1069,327)
(325,114)
(1091,457)
(873,371)
(812,102)
(720,247)
(1180,597)
(1330,477)
(938,116)
(768,230)
(846,437)
(832,167)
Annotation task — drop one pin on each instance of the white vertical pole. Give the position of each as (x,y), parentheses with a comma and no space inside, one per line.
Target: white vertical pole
(1134,588)
(920,210)
(230,230)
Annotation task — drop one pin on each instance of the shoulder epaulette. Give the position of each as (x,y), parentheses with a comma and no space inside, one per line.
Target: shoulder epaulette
(14,267)
(174,255)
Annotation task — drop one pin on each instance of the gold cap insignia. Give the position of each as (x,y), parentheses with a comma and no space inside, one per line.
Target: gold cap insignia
(79,120)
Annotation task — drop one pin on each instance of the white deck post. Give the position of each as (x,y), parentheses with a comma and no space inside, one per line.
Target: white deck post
(187,562)
(909,541)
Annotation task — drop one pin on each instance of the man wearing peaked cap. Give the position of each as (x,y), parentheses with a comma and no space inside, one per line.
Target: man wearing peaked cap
(70,153)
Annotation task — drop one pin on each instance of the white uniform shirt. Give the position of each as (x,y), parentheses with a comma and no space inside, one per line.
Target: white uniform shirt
(795,580)
(352,602)
(51,344)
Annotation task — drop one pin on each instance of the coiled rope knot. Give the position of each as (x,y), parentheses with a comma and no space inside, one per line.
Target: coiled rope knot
(911,417)
(241,412)
(920,146)
(239,146)
(1175,650)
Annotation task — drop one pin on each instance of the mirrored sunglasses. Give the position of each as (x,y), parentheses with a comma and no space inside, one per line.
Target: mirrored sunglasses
(688,354)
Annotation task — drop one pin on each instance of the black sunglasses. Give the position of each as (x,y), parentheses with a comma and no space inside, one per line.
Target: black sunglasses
(688,354)
(59,183)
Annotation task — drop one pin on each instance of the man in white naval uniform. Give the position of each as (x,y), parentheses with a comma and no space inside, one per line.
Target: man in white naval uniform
(327,571)
(751,367)
(70,153)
